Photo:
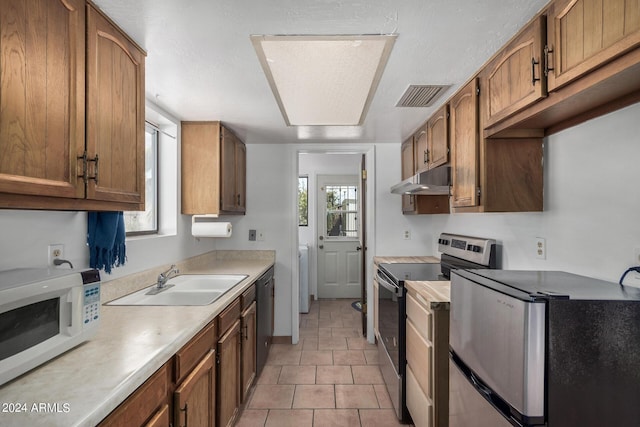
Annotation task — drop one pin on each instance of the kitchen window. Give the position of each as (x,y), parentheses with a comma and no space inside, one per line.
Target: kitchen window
(146,222)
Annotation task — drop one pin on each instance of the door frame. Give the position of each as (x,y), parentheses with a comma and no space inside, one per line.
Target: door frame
(369,151)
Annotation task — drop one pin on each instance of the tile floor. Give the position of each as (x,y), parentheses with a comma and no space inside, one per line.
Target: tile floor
(330,378)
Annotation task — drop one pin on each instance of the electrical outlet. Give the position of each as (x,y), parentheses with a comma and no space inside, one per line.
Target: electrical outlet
(55,251)
(260,235)
(407,235)
(252,235)
(541,248)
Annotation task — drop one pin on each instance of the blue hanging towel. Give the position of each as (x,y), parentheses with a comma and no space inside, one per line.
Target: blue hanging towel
(105,238)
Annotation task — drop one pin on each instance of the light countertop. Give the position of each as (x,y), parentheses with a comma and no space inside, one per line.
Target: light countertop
(405,259)
(82,386)
(436,293)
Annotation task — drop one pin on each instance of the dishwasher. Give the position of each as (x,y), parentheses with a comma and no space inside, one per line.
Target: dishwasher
(264,309)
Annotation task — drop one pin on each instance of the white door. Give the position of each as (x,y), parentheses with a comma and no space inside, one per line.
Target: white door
(339,257)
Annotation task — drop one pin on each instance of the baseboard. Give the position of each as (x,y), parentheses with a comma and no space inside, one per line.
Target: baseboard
(281,339)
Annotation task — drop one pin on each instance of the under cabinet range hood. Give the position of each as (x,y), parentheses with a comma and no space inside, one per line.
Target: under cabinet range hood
(436,181)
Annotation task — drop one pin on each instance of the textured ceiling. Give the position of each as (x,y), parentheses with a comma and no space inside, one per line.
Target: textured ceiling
(201,64)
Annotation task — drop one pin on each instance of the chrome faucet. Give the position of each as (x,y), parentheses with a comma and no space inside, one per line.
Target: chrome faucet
(165,276)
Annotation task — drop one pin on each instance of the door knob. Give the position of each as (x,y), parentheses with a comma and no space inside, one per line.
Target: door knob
(321,246)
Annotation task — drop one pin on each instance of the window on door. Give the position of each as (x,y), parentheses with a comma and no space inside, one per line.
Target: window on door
(342,211)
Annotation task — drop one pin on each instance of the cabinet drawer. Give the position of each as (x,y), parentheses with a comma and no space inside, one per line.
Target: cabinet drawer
(248,296)
(228,316)
(420,357)
(143,403)
(419,405)
(161,419)
(189,355)
(420,316)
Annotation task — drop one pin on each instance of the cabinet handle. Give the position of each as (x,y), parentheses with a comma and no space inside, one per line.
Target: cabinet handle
(547,68)
(85,168)
(186,414)
(426,156)
(238,199)
(246,332)
(533,71)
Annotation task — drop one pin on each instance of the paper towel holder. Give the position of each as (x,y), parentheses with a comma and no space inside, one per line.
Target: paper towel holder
(201,222)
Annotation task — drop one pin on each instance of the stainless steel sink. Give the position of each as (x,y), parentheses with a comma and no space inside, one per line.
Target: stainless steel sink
(188,289)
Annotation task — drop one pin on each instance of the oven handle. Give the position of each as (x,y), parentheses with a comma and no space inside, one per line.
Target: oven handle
(391,287)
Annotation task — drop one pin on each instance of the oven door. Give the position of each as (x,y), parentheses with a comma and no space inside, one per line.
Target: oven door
(391,347)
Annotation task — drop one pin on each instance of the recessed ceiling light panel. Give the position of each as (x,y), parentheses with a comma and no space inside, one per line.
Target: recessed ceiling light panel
(323,80)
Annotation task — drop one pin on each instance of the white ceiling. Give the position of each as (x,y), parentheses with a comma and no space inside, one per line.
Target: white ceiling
(201,64)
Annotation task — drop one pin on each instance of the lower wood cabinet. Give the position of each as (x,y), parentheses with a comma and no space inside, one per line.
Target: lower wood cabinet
(206,381)
(427,335)
(228,400)
(148,405)
(194,400)
(248,369)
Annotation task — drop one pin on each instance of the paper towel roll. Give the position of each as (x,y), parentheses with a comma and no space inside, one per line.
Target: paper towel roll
(206,226)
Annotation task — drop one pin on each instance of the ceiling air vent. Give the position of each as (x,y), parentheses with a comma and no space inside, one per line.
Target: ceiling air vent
(421,95)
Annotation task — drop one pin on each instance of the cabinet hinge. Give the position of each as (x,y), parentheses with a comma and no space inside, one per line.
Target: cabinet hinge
(364,174)
(364,308)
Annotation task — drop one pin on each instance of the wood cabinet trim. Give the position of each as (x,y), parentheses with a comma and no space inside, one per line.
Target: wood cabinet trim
(189,355)
(143,403)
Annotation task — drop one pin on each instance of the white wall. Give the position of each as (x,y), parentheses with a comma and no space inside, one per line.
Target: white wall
(591,219)
(271,180)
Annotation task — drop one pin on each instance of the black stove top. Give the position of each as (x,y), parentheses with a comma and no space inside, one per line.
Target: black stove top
(399,272)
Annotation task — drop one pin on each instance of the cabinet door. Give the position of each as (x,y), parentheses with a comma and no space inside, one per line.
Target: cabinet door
(421,151)
(407,162)
(241,176)
(249,337)
(228,195)
(115,113)
(229,375)
(513,80)
(465,146)
(200,159)
(194,398)
(584,34)
(438,138)
(42,69)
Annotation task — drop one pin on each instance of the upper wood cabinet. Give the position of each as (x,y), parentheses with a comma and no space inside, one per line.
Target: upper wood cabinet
(584,34)
(491,175)
(465,146)
(213,170)
(234,167)
(420,150)
(115,113)
(431,141)
(72,101)
(514,79)
(438,138)
(418,204)
(42,81)
(113,161)
(407,153)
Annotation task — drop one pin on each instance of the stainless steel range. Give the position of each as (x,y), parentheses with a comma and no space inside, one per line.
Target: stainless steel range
(457,252)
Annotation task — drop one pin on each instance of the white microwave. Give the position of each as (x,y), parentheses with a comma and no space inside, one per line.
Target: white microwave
(44,313)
